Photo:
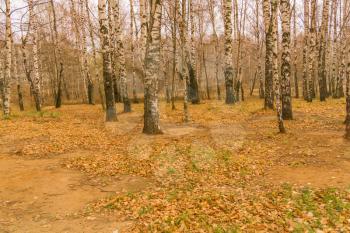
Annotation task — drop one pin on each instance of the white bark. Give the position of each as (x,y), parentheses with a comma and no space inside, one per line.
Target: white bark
(120,54)
(276,80)
(111,114)
(35,79)
(229,72)
(152,64)
(8,56)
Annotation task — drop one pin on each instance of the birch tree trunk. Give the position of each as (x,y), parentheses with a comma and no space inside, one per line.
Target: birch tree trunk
(76,19)
(322,79)
(269,95)
(295,52)
(342,50)
(18,79)
(329,53)
(334,76)
(287,112)
(228,70)
(184,71)
(237,38)
(97,76)
(239,26)
(86,71)
(164,68)
(143,29)
(276,80)
(120,55)
(112,35)
(346,41)
(258,41)
(58,58)
(174,50)
(15,75)
(306,53)
(132,36)
(8,56)
(193,82)
(35,79)
(216,41)
(260,76)
(24,40)
(347,93)
(342,69)
(152,63)
(203,63)
(312,51)
(242,34)
(111,114)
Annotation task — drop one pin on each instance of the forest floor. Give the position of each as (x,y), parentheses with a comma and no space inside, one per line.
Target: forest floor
(228,170)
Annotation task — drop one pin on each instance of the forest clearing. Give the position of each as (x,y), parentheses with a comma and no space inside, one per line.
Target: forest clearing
(227,170)
(192,116)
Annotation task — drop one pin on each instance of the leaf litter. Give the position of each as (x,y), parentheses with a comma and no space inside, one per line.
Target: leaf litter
(204,181)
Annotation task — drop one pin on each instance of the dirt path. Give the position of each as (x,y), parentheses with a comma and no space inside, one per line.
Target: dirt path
(41,196)
(316,159)
(310,156)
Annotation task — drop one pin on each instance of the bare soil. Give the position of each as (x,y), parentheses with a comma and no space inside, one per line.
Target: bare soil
(38,195)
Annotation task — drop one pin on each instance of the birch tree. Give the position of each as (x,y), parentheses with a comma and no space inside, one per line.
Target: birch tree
(295,52)
(286,58)
(341,48)
(58,59)
(35,79)
(114,51)
(86,70)
(312,51)
(228,69)
(92,39)
(239,30)
(269,96)
(132,48)
(152,63)
(111,114)
(276,80)
(306,53)
(18,78)
(174,50)
(347,74)
(184,71)
(202,56)
(78,28)
(211,6)
(322,81)
(164,68)
(24,40)
(259,43)
(143,30)
(8,62)
(191,64)
(334,77)
(120,55)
